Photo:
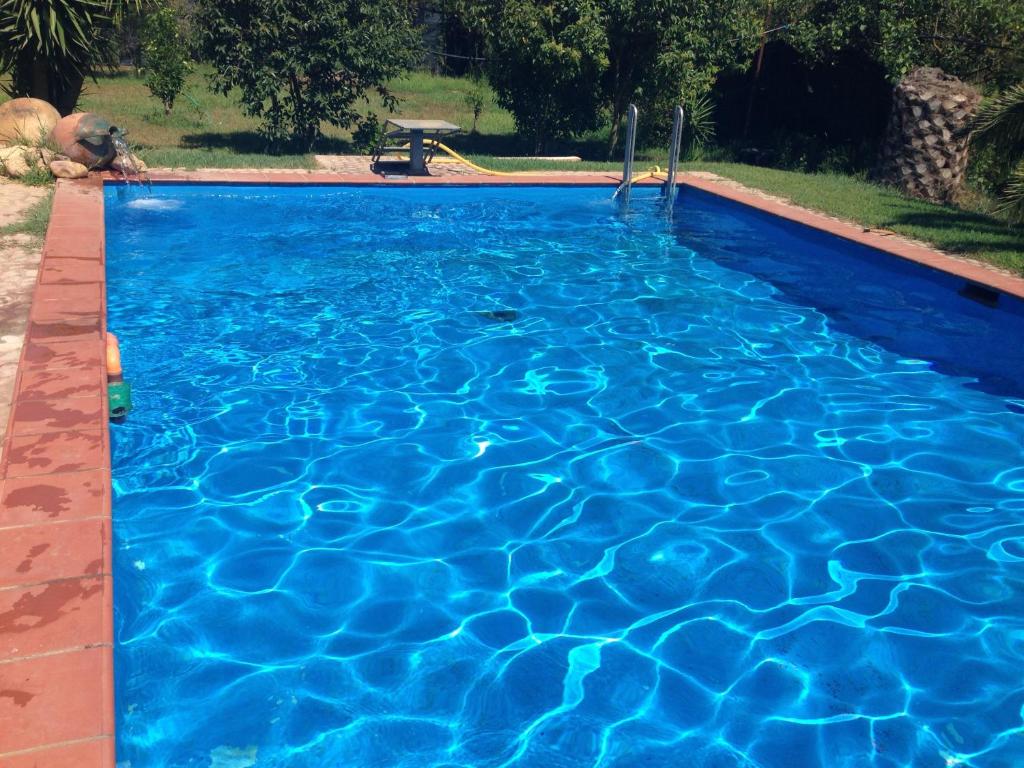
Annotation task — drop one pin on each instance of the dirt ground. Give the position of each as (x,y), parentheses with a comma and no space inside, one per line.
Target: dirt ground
(19,263)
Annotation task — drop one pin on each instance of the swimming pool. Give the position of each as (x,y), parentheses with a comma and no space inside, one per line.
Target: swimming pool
(518,477)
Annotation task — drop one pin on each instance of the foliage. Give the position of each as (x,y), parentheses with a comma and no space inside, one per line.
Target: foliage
(545,62)
(299,63)
(474,100)
(51,46)
(1001,119)
(165,59)
(367,133)
(999,124)
(977,40)
(38,176)
(698,126)
(563,67)
(666,52)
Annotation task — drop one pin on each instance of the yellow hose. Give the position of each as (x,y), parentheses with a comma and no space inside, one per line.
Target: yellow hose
(654,173)
(455,155)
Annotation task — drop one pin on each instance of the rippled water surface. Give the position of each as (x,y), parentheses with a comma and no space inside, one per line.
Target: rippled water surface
(477,478)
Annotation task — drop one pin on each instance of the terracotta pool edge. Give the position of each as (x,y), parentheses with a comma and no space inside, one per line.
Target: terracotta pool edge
(56,651)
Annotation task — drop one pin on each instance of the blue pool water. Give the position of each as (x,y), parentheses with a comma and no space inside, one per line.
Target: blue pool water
(723,492)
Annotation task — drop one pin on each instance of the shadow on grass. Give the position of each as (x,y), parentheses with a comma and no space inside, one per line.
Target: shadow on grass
(500,144)
(962,231)
(252,143)
(512,145)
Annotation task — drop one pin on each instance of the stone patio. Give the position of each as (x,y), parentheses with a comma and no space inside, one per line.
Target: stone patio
(19,265)
(361,164)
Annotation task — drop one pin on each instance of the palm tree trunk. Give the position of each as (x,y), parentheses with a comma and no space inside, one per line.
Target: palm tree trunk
(34,77)
(65,92)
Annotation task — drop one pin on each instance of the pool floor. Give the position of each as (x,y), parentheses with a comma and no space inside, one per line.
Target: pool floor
(519,477)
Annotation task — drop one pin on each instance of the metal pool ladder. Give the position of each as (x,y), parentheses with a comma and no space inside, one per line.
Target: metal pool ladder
(627,164)
(669,188)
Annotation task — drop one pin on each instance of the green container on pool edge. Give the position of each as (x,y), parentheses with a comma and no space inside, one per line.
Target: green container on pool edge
(119,394)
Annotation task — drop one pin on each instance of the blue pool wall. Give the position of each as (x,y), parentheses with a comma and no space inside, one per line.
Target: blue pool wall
(912,309)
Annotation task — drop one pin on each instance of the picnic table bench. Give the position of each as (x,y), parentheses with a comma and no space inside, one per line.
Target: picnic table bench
(415,132)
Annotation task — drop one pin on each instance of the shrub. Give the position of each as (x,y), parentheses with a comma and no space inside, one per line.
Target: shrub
(301,63)
(474,100)
(164,57)
(999,125)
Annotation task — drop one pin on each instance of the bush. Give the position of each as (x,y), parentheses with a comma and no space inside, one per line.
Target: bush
(301,63)
(545,62)
(164,57)
(474,100)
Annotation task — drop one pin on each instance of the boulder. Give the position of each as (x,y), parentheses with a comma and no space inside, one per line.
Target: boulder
(26,121)
(68,169)
(14,162)
(85,138)
(140,166)
(925,147)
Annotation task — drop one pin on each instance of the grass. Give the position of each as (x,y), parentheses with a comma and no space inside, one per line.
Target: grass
(208,130)
(34,221)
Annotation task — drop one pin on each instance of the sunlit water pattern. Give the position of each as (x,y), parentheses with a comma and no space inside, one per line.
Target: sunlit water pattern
(721,492)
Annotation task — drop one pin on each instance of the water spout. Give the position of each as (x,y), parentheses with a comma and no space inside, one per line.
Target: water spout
(125,157)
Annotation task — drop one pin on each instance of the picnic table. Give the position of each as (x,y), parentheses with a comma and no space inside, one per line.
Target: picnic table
(415,132)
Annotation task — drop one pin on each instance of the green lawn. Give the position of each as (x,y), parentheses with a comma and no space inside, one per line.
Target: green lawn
(208,130)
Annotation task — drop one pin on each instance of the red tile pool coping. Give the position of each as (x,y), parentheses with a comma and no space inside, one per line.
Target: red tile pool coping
(56,607)
(56,604)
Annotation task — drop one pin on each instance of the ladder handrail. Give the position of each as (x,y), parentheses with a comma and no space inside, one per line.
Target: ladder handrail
(627,163)
(669,188)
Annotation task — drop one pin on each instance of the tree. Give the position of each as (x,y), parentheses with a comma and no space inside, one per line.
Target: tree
(51,46)
(976,40)
(666,52)
(165,56)
(1000,124)
(979,41)
(299,63)
(565,66)
(545,61)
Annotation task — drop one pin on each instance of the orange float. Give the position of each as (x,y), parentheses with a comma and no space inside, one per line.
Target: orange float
(114,372)
(119,391)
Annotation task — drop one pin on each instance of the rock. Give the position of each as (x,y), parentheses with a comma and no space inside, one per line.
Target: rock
(14,162)
(68,169)
(925,147)
(85,138)
(139,165)
(47,156)
(26,121)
